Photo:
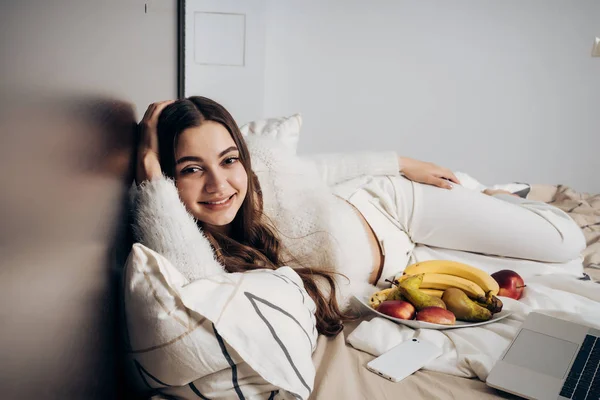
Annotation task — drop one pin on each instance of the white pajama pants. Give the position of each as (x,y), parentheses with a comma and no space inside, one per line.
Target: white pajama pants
(414,222)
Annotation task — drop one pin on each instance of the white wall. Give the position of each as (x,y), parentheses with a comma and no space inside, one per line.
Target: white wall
(505,90)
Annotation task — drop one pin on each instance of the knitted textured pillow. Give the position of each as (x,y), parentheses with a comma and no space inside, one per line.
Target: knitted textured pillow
(285,129)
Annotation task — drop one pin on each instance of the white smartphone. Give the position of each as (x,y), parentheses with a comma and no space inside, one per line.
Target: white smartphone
(404,359)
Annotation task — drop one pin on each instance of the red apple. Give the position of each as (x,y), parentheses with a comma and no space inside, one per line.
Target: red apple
(436,315)
(397,308)
(511,284)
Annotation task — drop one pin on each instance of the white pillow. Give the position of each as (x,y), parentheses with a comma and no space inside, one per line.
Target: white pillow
(249,333)
(285,129)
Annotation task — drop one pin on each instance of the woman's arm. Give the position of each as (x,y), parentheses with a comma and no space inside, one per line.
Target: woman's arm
(428,173)
(337,168)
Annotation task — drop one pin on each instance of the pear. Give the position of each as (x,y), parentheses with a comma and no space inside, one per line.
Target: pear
(463,307)
(409,288)
(409,281)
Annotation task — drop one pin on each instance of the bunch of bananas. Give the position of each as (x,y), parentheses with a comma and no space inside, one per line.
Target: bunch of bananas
(468,292)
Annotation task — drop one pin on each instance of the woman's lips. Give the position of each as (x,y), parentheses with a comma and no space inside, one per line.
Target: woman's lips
(218,205)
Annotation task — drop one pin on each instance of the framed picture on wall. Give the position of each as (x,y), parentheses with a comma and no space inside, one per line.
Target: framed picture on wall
(221,53)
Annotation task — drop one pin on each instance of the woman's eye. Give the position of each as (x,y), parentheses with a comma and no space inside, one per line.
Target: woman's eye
(190,170)
(231,160)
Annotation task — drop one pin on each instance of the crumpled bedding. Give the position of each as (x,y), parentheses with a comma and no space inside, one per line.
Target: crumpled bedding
(584,208)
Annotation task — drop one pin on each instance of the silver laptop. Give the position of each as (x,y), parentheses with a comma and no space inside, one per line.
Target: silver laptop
(550,358)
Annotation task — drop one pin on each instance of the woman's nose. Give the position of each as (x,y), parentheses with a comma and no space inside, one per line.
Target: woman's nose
(215,182)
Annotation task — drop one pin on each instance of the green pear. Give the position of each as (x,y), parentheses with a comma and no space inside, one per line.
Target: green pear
(463,307)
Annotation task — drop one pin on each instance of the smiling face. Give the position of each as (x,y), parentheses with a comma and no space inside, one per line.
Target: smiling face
(209,175)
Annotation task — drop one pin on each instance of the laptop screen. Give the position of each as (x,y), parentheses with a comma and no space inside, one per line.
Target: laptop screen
(541,353)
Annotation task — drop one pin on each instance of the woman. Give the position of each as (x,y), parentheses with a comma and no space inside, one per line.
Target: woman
(344,222)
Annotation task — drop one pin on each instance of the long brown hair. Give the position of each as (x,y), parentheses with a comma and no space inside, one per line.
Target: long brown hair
(251,243)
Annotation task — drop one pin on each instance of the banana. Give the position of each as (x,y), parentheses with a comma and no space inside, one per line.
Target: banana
(443,282)
(454,268)
(377,298)
(491,302)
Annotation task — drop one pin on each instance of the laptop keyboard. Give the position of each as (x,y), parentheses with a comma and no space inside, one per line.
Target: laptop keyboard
(583,382)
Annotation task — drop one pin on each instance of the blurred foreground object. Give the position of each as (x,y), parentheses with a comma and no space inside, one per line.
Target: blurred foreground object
(66,167)
(72,75)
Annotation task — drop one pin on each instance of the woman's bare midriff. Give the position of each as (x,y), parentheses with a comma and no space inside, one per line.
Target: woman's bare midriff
(377,264)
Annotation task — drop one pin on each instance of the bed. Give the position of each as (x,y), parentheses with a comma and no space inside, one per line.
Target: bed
(340,364)
(340,367)
(63,241)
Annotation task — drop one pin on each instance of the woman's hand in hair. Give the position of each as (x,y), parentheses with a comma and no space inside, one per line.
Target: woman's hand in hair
(428,173)
(148,165)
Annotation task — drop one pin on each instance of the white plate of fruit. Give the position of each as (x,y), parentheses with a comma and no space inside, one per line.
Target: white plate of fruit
(441,294)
